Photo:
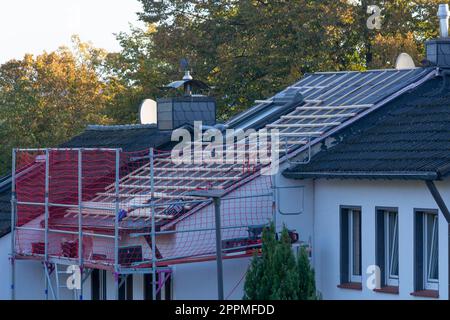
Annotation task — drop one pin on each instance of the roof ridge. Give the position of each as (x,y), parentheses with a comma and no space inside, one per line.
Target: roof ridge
(120,127)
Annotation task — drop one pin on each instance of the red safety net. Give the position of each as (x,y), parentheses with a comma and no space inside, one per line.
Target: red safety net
(63,192)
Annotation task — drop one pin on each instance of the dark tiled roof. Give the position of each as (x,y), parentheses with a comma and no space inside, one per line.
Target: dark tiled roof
(5,210)
(408,138)
(129,138)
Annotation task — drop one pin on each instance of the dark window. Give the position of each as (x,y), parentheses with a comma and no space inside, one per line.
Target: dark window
(426,250)
(98,284)
(126,287)
(351,269)
(387,246)
(165,292)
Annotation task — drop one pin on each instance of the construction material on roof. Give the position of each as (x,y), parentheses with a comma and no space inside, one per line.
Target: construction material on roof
(408,138)
(331,99)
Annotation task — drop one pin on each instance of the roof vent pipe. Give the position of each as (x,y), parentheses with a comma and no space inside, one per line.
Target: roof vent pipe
(443,14)
(187,85)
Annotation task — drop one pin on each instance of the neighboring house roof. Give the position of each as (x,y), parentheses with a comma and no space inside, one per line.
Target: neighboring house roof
(127,137)
(5,205)
(408,138)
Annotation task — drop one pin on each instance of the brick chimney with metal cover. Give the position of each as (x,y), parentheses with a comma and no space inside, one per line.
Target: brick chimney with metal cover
(438,50)
(185,109)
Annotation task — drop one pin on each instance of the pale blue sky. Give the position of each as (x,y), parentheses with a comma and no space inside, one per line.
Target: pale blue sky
(32,26)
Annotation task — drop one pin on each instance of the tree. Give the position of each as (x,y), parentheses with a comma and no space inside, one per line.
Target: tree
(307,282)
(277,274)
(137,73)
(250,50)
(406,25)
(47,99)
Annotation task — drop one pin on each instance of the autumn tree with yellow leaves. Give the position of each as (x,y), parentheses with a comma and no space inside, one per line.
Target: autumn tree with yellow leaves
(49,98)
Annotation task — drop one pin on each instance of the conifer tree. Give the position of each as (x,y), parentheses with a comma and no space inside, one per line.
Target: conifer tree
(277,274)
(307,284)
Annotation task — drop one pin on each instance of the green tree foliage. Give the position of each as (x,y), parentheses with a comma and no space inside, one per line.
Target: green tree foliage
(277,274)
(307,282)
(245,49)
(47,99)
(138,69)
(251,49)
(248,50)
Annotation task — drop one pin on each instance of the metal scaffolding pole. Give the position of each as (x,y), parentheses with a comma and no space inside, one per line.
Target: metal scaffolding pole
(46,216)
(116,227)
(216,195)
(217,204)
(152,188)
(80,216)
(13,224)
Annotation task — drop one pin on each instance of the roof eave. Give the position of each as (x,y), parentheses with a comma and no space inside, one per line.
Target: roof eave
(426,175)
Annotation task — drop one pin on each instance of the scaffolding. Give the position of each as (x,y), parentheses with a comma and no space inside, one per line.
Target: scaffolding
(130,212)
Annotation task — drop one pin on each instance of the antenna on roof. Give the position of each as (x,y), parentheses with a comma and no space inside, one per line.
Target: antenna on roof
(184,64)
(404,61)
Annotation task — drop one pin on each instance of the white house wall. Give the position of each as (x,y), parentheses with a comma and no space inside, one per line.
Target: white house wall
(198,281)
(30,280)
(295,206)
(404,195)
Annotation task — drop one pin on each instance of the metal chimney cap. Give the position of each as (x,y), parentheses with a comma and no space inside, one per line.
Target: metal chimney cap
(187,74)
(443,11)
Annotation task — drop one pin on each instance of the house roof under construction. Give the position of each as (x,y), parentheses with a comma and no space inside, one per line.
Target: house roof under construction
(330,102)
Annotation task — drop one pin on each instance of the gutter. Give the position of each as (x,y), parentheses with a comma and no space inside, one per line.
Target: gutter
(446,213)
(426,175)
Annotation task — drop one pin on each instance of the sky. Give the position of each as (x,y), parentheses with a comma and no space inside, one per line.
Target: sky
(32,26)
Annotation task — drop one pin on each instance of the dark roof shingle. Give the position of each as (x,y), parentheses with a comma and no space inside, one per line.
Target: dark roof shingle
(128,137)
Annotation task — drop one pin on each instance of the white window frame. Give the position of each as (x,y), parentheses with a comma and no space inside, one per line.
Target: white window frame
(391,279)
(429,283)
(354,278)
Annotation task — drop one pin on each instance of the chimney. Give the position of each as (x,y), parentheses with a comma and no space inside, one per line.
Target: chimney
(186,108)
(443,15)
(438,50)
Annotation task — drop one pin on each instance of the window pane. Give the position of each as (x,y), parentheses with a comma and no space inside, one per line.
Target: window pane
(393,244)
(356,231)
(433,245)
